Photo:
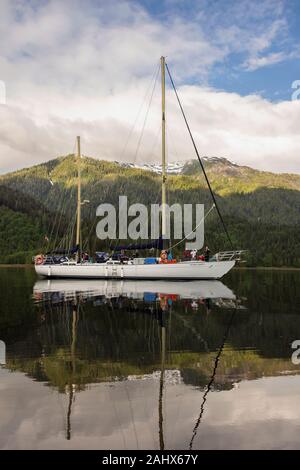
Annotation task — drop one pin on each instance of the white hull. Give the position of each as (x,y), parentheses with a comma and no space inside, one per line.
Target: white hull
(134,289)
(180,271)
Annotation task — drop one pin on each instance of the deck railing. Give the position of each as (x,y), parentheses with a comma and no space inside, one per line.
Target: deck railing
(228,255)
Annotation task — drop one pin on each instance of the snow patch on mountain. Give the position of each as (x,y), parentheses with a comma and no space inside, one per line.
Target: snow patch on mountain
(174,168)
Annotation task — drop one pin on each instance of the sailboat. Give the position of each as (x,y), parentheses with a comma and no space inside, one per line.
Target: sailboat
(214,268)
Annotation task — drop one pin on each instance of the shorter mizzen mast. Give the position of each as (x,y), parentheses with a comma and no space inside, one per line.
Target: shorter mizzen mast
(163,151)
(78,200)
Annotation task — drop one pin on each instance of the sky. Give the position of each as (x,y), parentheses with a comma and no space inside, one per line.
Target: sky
(91,68)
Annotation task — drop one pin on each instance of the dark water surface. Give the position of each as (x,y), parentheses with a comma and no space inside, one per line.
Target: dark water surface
(150,365)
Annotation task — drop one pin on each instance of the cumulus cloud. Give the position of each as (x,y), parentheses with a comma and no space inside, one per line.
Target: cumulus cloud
(69,72)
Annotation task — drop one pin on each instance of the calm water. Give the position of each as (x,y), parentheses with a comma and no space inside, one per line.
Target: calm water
(126,365)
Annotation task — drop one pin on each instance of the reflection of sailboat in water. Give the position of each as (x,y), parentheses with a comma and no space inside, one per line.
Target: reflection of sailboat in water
(64,289)
(155,300)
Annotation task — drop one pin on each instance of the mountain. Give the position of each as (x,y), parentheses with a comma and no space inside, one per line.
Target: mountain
(226,177)
(261,209)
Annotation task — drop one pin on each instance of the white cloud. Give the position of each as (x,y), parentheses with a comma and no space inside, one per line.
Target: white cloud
(253,63)
(259,414)
(70,72)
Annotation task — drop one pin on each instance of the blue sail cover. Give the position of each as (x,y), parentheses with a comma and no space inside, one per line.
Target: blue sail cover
(158,244)
(63,251)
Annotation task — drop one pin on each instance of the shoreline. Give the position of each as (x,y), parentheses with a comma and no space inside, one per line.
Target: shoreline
(240,268)
(16,265)
(267,268)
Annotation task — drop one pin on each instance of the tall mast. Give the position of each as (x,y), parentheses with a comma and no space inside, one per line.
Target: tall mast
(163,141)
(78,198)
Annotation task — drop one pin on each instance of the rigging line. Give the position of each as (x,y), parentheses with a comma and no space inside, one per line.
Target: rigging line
(131,414)
(58,212)
(57,233)
(86,243)
(146,117)
(117,240)
(103,196)
(56,217)
(170,137)
(71,231)
(199,159)
(212,379)
(116,225)
(123,182)
(52,224)
(61,240)
(202,220)
(156,140)
(64,212)
(120,427)
(87,240)
(193,331)
(139,111)
(62,215)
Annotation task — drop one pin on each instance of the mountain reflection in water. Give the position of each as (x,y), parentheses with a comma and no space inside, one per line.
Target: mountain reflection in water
(137,364)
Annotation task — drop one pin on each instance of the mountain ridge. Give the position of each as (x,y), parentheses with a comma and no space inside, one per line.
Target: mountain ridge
(226,177)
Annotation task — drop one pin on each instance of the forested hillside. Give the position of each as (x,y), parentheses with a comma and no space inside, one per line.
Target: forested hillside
(262,210)
(22,223)
(228,177)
